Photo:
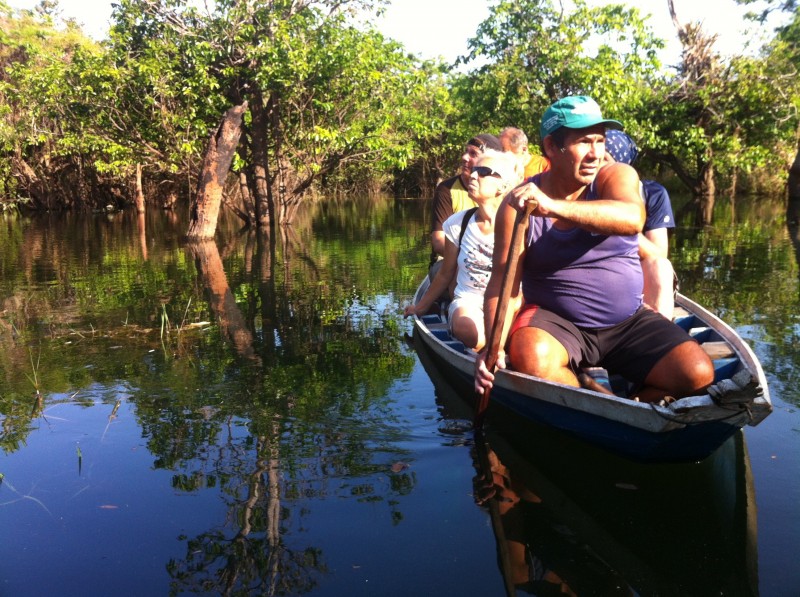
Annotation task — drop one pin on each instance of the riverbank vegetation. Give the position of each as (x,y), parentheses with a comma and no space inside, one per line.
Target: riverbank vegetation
(334,107)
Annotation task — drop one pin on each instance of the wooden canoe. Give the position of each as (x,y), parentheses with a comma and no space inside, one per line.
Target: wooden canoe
(687,430)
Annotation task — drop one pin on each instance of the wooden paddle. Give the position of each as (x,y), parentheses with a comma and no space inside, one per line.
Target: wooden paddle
(496,332)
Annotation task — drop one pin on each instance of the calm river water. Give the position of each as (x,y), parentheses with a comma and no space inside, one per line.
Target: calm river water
(249,417)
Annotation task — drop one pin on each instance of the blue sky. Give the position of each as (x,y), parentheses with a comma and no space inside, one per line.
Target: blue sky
(442,27)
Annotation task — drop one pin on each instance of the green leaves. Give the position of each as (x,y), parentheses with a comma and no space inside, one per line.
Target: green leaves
(343,107)
(533,53)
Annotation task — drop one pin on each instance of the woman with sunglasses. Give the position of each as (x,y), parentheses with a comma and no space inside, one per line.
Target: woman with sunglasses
(468,252)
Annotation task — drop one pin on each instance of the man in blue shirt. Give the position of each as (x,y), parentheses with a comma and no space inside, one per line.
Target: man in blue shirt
(659,277)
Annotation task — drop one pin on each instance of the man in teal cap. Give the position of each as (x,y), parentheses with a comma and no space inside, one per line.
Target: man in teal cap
(580,274)
(574,112)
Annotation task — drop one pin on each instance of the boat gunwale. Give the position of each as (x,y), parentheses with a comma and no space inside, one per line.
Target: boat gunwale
(644,416)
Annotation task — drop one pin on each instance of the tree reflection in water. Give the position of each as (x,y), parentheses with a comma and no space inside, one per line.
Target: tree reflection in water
(220,298)
(256,558)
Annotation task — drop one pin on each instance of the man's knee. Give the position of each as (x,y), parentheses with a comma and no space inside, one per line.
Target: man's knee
(701,370)
(684,370)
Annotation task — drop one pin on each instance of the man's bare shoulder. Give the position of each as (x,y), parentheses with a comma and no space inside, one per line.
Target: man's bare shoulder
(617,170)
(618,179)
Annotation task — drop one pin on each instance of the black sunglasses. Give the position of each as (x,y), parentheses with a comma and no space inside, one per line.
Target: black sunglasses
(482,171)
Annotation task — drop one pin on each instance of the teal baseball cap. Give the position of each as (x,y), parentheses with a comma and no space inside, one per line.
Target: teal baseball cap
(575,112)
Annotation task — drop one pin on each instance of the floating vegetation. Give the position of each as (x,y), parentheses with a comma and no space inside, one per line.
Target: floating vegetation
(4,481)
(34,377)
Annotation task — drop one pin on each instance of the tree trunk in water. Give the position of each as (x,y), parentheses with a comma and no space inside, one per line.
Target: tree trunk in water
(141,227)
(216,165)
(279,182)
(793,206)
(247,197)
(707,191)
(139,192)
(794,177)
(265,208)
(734,182)
(266,247)
(31,184)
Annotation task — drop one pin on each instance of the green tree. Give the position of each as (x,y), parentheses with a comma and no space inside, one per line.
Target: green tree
(330,102)
(535,53)
(323,94)
(34,59)
(785,50)
(716,118)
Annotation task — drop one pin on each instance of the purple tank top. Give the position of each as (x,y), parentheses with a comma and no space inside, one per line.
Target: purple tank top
(592,280)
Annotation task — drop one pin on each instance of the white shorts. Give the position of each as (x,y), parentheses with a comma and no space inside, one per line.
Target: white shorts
(472,303)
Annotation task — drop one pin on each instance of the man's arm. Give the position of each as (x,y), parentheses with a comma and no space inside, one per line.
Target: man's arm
(653,243)
(619,210)
(503,230)
(442,208)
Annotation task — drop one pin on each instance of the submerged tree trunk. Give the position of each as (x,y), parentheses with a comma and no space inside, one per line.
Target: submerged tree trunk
(734,182)
(264,207)
(139,192)
(216,165)
(794,177)
(247,197)
(141,227)
(707,193)
(279,181)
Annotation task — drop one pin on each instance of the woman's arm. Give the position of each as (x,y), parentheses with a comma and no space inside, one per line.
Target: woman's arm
(439,284)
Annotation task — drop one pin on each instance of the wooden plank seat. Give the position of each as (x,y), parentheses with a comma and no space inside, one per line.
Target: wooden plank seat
(717,350)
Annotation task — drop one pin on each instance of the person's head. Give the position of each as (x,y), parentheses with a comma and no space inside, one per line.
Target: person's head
(474,149)
(573,137)
(514,140)
(492,175)
(620,147)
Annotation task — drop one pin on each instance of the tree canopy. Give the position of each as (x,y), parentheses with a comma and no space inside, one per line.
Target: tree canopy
(333,105)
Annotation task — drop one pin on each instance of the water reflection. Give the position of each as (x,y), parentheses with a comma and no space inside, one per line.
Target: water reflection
(284,399)
(622,531)
(280,413)
(749,275)
(221,300)
(255,556)
(571,519)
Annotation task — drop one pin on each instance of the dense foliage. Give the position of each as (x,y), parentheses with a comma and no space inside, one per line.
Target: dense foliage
(532,53)
(335,106)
